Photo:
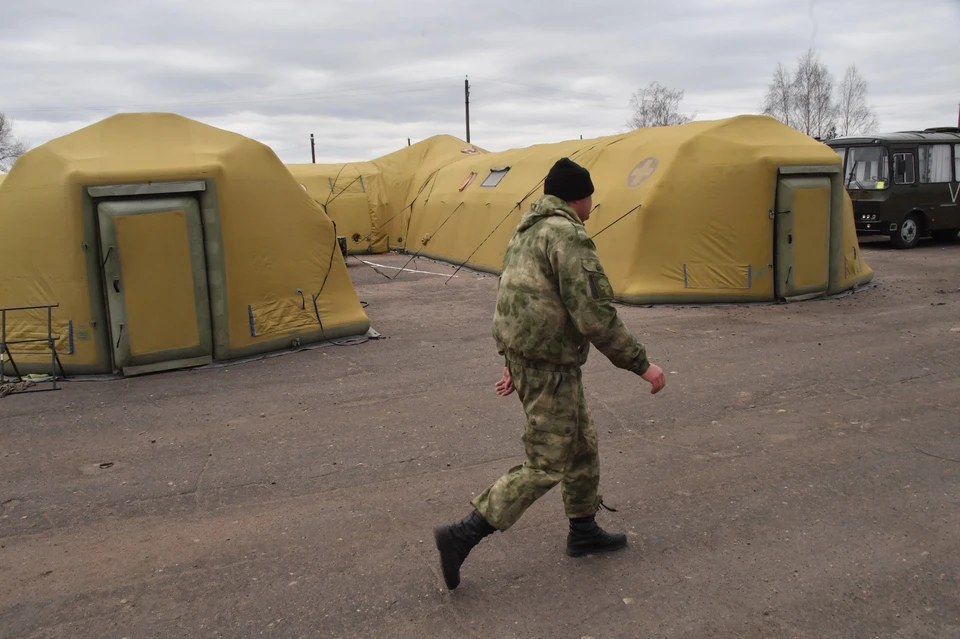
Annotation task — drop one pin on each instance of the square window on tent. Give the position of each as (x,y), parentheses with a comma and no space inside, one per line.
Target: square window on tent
(495,176)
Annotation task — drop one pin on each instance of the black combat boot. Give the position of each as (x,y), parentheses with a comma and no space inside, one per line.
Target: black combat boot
(455,541)
(586,537)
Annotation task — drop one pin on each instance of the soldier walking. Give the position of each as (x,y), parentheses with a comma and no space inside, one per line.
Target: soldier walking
(553,301)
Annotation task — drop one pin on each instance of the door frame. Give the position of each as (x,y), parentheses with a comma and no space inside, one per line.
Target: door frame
(109,216)
(205,191)
(781,279)
(835,271)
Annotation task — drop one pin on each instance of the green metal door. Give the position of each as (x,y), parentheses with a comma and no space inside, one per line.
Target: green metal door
(802,230)
(154,274)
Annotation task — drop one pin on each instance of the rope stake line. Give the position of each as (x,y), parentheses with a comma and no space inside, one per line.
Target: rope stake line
(417,254)
(637,207)
(412,202)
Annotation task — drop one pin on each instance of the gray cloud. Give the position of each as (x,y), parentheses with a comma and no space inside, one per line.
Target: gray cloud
(366,75)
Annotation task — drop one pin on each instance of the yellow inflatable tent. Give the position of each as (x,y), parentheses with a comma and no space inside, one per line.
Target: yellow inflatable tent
(367,200)
(165,243)
(737,210)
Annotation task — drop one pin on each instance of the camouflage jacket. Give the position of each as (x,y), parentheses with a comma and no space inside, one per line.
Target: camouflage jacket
(554,298)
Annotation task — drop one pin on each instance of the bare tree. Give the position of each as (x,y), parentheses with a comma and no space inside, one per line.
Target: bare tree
(805,99)
(813,109)
(779,100)
(853,114)
(10,147)
(657,105)
(824,106)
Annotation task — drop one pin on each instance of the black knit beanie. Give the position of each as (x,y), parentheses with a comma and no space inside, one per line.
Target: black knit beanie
(568,181)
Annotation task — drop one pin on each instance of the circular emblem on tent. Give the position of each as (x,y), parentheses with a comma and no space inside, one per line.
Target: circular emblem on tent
(641,172)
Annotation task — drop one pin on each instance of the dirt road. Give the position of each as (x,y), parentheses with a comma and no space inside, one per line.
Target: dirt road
(799,477)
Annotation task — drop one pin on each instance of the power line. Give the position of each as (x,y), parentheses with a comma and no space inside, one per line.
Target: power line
(533,92)
(317,96)
(600,98)
(530,85)
(549,98)
(526,89)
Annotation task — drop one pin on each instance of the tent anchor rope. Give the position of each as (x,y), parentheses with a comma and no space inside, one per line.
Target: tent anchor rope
(412,202)
(330,200)
(417,254)
(615,221)
(334,185)
(371,265)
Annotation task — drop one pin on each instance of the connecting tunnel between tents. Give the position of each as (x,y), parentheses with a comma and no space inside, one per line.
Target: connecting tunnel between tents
(165,243)
(367,200)
(354,196)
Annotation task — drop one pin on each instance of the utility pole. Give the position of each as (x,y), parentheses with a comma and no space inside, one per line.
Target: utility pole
(313,150)
(408,141)
(466,96)
(958,116)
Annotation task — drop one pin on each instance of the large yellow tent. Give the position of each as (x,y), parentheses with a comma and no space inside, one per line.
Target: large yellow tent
(367,200)
(742,209)
(166,243)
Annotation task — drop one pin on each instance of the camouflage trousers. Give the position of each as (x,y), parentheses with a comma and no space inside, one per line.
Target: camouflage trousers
(560,442)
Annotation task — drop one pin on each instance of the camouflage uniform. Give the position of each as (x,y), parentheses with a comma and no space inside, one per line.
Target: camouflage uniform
(553,301)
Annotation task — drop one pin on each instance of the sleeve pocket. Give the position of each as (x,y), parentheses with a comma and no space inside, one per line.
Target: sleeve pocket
(600,287)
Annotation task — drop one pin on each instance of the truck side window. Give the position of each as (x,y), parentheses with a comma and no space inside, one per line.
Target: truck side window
(903,171)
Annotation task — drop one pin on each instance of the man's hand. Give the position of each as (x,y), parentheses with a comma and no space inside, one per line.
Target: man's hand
(654,376)
(505,385)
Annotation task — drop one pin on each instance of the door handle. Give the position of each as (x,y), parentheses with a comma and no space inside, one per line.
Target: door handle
(116,284)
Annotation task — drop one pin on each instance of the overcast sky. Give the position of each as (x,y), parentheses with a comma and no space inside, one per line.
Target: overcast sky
(365,75)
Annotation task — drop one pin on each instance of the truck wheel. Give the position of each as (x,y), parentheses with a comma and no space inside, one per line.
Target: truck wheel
(908,235)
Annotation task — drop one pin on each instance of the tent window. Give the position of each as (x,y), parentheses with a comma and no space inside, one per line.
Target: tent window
(495,176)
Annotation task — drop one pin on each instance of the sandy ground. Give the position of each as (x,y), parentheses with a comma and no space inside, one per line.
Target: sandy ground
(799,477)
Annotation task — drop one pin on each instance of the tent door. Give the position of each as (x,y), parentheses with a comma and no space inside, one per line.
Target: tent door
(155,283)
(802,237)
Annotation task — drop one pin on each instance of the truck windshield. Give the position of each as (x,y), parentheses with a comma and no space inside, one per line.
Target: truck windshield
(867,167)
